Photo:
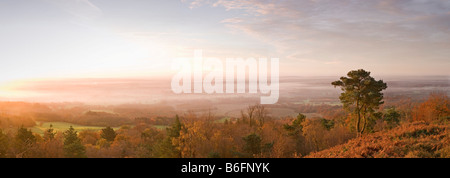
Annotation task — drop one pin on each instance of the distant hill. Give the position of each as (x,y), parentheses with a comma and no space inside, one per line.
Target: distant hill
(411,140)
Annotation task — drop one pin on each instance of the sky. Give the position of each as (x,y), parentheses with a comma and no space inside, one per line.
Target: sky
(140,38)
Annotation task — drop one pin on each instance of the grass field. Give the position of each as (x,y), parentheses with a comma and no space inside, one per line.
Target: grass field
(63,126)
(161,127)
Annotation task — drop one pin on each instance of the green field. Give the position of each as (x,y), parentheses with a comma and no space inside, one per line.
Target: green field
(63,126)
(161,127)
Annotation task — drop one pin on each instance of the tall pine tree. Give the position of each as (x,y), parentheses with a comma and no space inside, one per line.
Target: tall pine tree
(361,96)
(73,148)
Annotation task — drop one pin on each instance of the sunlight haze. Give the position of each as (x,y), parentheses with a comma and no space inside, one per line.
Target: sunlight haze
(56,39)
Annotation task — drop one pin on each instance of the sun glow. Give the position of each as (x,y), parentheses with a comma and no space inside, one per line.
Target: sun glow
(13,90)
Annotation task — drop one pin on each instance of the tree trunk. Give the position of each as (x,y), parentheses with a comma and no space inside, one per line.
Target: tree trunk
(365,122)
(364,125)
(358,119)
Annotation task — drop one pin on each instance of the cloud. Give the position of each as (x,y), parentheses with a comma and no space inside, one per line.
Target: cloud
(351,31)
(232,20)
(196,3)
(82,10)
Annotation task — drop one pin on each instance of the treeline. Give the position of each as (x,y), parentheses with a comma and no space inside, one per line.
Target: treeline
(16,114)
(154,120)
(89,118)
(14,121)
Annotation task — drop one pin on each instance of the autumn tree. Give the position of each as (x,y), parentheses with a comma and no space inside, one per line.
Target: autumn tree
(314,134)
(52,148)
(255,114)
(189,139)
(361,96)
(260,114)
(149,138)
(248,116)
(436,107)
(108,134)
(222,141)
(72,144)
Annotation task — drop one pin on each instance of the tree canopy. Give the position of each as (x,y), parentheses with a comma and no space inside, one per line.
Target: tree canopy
(361,95)
(108,134)
(73,148)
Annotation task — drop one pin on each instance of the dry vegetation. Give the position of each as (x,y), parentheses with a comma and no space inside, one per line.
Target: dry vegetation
(412,140)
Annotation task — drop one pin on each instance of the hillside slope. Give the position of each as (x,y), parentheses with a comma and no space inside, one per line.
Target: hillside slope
(412,140)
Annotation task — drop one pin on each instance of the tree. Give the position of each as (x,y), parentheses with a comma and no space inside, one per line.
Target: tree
(49,134)
(295,131)
(167,148)
(361,95)
(4,144)
(149,138)
(249,116)
(252,144)
(391,117)
(255,114)
(24,140)
(314,134)
(174,131)
(108,134)
(296,127)
(72,144)
(436,107)
(25,136)
(327,124)
(260,114)
(89,137)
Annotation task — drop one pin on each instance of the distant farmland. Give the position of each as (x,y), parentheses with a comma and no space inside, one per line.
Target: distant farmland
(63,126)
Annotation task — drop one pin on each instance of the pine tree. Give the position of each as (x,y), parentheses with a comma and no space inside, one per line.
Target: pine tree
(25,136)
(108,134)
(49,134)
(174,131)
(72,144)
(24,140)
(167,148)
(252,144)
(295,129)
(361,95)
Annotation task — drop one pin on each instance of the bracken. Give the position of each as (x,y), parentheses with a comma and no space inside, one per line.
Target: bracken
(413,140)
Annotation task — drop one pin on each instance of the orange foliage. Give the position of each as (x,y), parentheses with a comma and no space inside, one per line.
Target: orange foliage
(434,108)
(418,139)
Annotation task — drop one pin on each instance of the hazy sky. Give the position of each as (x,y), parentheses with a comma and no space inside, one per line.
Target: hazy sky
(117,38)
